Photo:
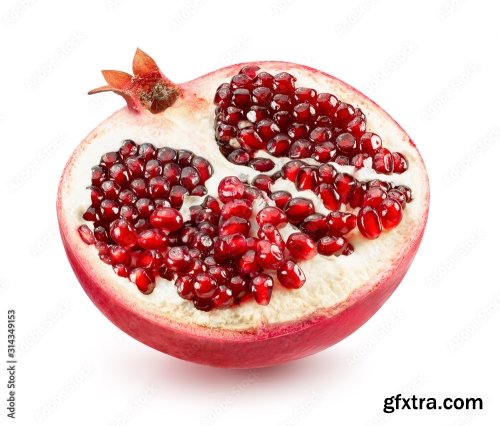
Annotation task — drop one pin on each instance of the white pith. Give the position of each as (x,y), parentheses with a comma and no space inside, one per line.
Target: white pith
(330,280)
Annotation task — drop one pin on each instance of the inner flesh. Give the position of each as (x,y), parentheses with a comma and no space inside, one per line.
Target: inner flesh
(188,125)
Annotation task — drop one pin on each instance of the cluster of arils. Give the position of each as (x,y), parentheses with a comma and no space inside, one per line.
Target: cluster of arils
(258,111)
(232,247)
(136,193)
(340,193)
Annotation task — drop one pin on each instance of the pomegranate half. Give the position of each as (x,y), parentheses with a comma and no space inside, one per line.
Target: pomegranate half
(325,284)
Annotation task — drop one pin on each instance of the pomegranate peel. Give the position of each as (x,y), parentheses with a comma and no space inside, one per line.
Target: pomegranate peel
(314,303)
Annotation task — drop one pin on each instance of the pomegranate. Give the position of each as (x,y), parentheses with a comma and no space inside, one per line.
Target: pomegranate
(253,216)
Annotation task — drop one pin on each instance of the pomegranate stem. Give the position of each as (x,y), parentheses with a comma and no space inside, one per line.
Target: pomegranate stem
(147,89)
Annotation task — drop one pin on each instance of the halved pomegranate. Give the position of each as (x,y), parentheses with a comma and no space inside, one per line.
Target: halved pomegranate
(253,216)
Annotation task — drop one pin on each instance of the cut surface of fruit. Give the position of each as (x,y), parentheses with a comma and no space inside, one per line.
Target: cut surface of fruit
(213,242)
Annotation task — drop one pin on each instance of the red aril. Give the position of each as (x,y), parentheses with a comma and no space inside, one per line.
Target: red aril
(166,218)
(369,223)
(273,215)
(290,275)
(269,255)
(301,246)
(390,212)
(330,245)
(262,287)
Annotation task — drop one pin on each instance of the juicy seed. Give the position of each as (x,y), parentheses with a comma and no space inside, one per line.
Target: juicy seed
(229,246)
(406,191)
(86,234)
(390,212)
(281,198)
(119,255)
(284,83)
(262,182)
(340,223)
(327,104)
(152,239)
(234,225)
(298,131)
(247,264)
(262,288)
(400,162)
(297,209)
(177,258)
(223,297)
(184,286)
(189,178)
(250,70)
(374,196)
(278,146)
(306,178)
(326,173)
(240,208)
(344,113)
(230,188)
(270,233)
(166,155)
(147,151)
(172,173)
(150,259)
(328,246)
(346,143)
(203,167)
(369,223)
(264,79)
(121,270)
(261,164)
(291,169)
(329,196)
(315,225)
(123,234)
(159,187)
(344,184)
(204,285)
(290,275)
(301,246)
(304,112)
(269,255)
(370,142)
(128,148)
(397,195)
(301,148)
(166,218)
(143,279)
(272,215)
(323,152)
(204,305)
(383,161)
(239,287)
(239,157)
(177,194)
(304,94)
(241,98)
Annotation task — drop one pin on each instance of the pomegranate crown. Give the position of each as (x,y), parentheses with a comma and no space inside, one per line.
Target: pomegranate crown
(147,89)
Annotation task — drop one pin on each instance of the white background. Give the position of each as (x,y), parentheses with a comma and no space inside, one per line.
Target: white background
(432,65)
